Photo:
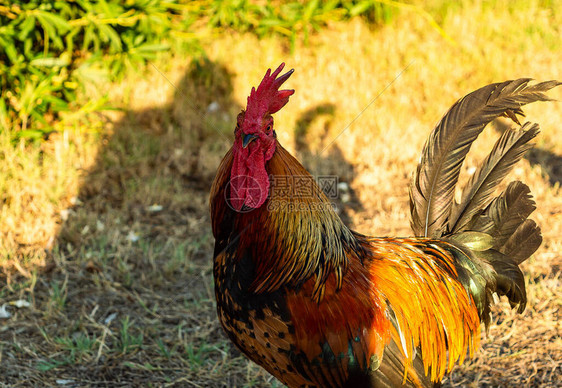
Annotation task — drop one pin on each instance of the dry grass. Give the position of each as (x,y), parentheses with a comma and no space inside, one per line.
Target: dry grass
(120,290)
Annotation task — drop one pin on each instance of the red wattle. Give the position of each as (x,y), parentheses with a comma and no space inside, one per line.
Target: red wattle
(249,183)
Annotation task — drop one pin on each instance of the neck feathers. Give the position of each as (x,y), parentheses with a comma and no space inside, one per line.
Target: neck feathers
(294,236)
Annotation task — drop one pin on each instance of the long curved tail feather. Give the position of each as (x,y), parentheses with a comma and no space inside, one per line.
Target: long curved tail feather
(433,185)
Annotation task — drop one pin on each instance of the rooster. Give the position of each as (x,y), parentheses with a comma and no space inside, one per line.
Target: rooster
(317,304)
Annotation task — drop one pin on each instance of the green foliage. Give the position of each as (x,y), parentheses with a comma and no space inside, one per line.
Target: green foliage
(50,50)
(293,19)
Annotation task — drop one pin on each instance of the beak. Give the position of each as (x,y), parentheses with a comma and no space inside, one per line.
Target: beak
(247,139)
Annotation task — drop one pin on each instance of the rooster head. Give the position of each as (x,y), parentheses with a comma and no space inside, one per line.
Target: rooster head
(255,141)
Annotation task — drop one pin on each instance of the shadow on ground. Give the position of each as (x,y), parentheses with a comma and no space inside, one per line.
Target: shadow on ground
(128,298)
(322,158)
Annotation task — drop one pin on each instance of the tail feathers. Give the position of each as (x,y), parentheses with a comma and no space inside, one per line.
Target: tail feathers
(484,271)
(500,237)
(489,237)
(512,238)
(477,193)
(509,280)
(524,242)
(505,215)
(433,185)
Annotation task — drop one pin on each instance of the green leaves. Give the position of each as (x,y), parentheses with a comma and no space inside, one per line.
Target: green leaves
(50,48)
(292,19)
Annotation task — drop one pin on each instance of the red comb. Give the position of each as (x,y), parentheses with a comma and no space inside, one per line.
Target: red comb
(268,98)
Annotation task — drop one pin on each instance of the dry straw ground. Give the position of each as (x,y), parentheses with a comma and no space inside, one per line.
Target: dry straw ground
(105,231)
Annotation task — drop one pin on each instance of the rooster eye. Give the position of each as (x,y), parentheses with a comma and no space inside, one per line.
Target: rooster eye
(269,128)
